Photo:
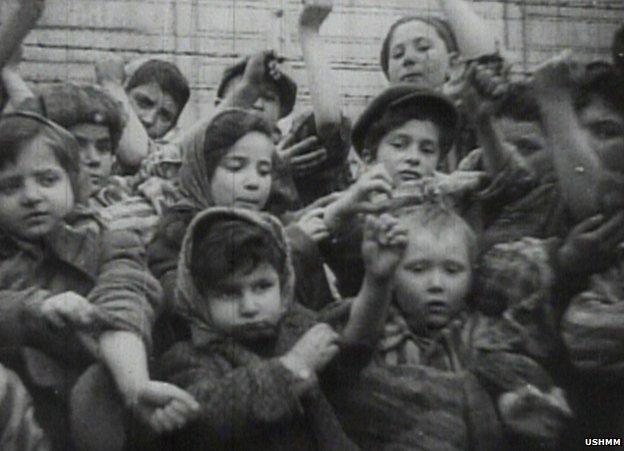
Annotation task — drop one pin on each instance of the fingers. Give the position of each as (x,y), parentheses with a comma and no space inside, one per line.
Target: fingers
(313,213)
(609,228)
(161,393)
(304,146)
(309,162)
(589,224)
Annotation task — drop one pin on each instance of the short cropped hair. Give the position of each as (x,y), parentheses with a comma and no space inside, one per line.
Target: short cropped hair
(167,76)
(439,218)
(230,246)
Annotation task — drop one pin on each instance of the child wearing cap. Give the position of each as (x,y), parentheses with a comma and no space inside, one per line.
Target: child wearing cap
(403,135)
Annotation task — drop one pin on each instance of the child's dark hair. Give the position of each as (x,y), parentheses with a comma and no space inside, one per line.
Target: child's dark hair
(167,76)
(604,82)
(395,117)
(223,248)
(19,129)
(227,128)
(443,29)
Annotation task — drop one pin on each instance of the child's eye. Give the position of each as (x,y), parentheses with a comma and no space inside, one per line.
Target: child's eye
(416,267)
(47,179)
(166,116)
(398,51)
(453,267)
(607,130)
(234,164)
(104,146)
(144,102)
(264,169)
(9,187)
(429,150)
(262,286)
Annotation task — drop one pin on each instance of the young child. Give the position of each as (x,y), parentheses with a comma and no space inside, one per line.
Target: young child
(72,290)
(236,167)
(433,322)
(97,122)
(402,135)
(255,359)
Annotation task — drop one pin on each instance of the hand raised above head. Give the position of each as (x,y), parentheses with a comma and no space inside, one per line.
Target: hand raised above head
(314,13)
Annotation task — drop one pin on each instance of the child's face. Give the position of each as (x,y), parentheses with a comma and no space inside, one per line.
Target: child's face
(35,193)
(433,279)
(526,136)
(96,153)
(605,130)
(244,175)
(418,55)
(247,304)
(410,152)
(267,104)
(156,109)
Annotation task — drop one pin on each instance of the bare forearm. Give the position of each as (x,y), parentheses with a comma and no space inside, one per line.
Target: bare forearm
(134,143)
(16,88)
(323,87)
(575,162)
(474,36)
(495,151)
(368,311)
(21,19)
(126,357)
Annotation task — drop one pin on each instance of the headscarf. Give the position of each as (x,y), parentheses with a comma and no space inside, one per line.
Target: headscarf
(196,171)
(188,301)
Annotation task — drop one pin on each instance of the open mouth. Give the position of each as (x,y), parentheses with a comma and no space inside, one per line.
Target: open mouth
(437,307)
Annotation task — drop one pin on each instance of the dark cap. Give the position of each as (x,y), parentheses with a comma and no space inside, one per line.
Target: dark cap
(70,104)
(403,95)
(286,87)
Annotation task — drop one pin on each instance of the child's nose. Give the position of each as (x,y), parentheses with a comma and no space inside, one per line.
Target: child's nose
(31,193)
(148,117)
(248,307)
(91,156)
(435,282)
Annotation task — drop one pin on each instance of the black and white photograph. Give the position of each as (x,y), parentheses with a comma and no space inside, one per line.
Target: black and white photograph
(311,225)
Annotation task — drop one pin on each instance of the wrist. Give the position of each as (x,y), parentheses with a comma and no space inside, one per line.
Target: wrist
(297,367)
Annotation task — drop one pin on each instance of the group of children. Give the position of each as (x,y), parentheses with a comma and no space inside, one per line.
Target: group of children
(442,272)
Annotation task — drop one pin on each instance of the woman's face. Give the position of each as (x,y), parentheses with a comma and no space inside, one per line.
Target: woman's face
(418,55)
(244,175)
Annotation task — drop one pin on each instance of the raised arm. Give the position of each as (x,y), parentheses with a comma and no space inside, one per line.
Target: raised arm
(382,248)
(323,87)
(576,164)
(474,36)
(134,143)
(21,18)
